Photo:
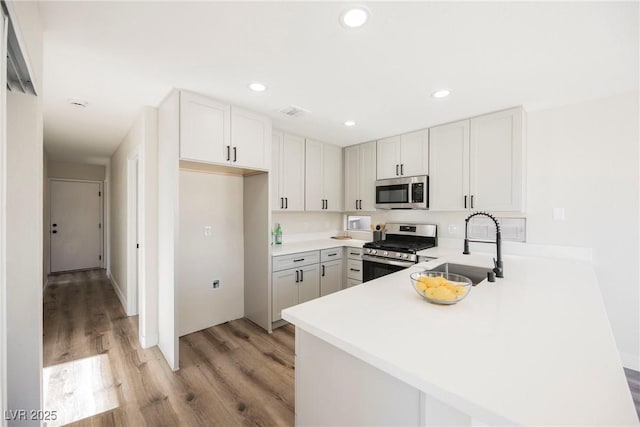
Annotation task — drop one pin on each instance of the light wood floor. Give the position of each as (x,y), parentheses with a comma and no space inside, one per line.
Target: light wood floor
(232,374)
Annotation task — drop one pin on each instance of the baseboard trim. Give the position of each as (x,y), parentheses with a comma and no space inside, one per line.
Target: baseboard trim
(116,288)
(630,361)
(149,341)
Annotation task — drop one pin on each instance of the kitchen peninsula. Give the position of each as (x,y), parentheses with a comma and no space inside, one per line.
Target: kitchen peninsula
(534,348)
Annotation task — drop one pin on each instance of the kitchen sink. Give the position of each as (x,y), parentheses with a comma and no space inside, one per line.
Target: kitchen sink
(476,274)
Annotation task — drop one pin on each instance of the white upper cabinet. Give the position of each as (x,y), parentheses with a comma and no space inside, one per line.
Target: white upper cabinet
(287,170)
(323,177)
(449,167)
(215,132)
(360,176)
(250,139)
(388,158)
(477,164)
(205,128)
(403,155)
(496,166)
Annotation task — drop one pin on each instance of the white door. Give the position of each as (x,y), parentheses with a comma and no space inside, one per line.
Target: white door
(205,129)
(292,170)
(250,139)
(351,177)
(332,182)
(389,157)
(496,161)
(75,225)
(368,176)
(449,167)
(313,177)
(414,153)
(331,277)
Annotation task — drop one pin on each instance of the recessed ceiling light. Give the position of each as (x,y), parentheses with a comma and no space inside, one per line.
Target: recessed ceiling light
(442,93)
(354,17)
(257,87)
(78,102)
(349,123)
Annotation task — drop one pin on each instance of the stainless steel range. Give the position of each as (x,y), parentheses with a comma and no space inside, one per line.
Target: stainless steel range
(398,250)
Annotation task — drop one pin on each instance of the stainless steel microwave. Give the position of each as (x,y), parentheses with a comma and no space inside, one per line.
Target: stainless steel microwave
(410,192)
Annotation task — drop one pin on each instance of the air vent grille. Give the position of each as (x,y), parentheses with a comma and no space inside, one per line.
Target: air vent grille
(294,111)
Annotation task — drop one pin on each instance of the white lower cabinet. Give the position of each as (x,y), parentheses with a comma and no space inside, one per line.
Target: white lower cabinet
(353,273)
(304,276)
(331,271)
(294,286)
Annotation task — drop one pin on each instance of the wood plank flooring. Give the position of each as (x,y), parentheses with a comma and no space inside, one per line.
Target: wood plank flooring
(232,374)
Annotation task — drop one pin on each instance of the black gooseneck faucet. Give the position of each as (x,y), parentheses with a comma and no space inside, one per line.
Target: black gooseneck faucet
(497,262)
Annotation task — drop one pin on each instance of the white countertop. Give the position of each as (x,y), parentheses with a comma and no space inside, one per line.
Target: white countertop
(314,245)
(534,348)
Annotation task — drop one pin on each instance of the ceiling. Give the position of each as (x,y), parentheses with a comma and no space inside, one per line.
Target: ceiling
(120,56)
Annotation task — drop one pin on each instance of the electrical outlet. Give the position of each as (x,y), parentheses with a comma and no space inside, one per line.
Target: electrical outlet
(216,284)
(208,231)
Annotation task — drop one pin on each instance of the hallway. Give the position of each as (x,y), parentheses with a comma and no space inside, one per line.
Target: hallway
(231,374)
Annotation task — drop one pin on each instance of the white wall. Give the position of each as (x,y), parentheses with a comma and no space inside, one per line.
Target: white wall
(24,204)
(584,158)
(142,138)
(293,223)
(68,170)
(216,201)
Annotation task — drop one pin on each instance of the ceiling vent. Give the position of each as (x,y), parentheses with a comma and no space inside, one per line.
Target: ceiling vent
(294,111)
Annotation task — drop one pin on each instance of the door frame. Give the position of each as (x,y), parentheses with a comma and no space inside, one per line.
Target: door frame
(101,219)
(135,236)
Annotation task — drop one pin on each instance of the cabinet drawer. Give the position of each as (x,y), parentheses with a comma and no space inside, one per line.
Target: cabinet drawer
(353,282)
(330,254)
(299,259)
(354,253)
(354,269)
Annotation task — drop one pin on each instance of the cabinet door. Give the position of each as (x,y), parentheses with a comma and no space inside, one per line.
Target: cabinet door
(414,153)
(275,174)
(205,129)
(284,292)
(351,177)
(496,161)
(309,286)
(368,176)
(292,170)
(250,139)
(449,167)
(332,182)
(330,277)
(388,157)
(313,176)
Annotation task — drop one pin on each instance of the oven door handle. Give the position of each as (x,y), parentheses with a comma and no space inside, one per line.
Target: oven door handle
(387,261)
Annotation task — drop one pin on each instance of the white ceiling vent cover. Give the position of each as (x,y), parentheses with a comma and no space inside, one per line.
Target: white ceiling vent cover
(294,111)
